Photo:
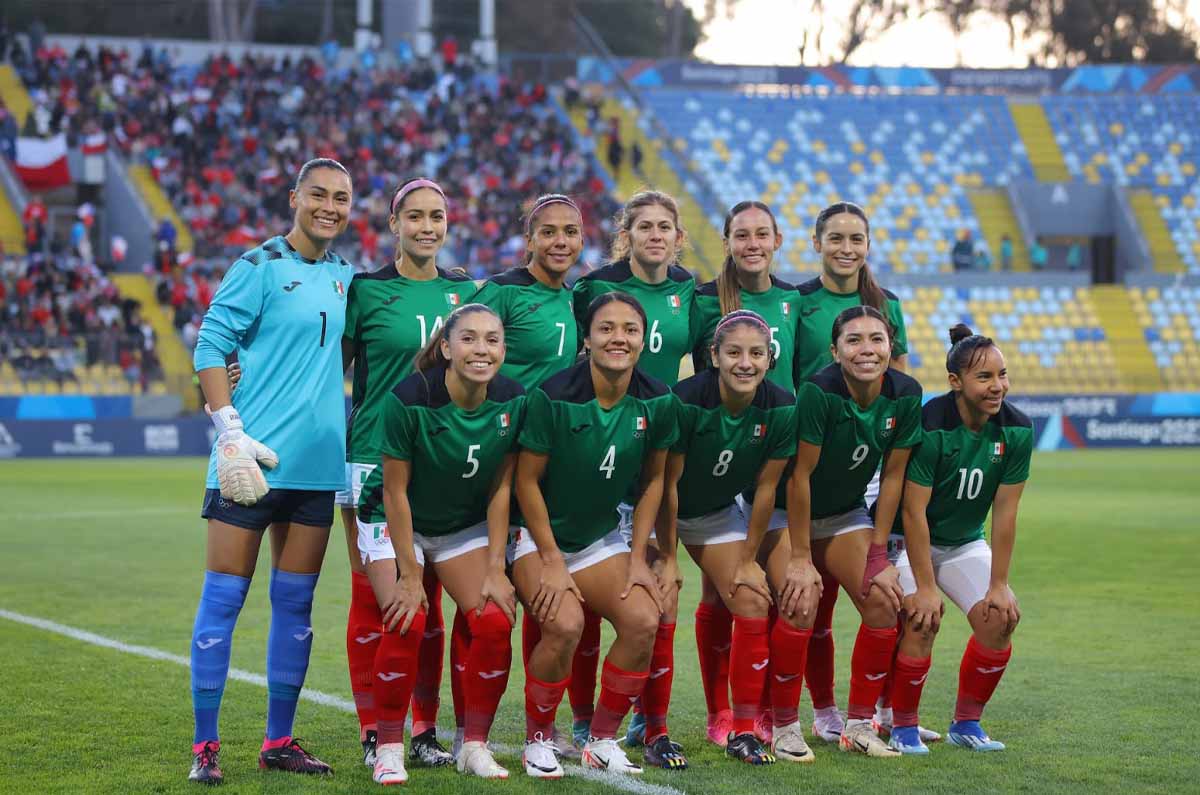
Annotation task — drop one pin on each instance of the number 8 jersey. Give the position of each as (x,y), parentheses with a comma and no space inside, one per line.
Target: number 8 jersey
(853,439)
(595,454)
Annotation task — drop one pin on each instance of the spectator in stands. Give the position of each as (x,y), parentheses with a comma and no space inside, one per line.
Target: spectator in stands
(1074,256)
(1038,256)
(34,219)
(963,253)
(8,133)
(616,150)
(983,260)
(1006,253)
(635,158)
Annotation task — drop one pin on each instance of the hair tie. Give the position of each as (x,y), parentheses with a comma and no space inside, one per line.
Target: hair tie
(412,185)
(733,318)
(545,203)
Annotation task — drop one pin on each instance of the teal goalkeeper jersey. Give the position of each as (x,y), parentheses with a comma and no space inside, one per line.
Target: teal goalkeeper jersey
(964,469)
(284,315)
(539,325)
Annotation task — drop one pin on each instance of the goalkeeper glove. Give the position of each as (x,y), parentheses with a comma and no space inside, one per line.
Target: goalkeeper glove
(238,459)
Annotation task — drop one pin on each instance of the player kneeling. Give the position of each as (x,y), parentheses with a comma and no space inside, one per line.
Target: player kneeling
(974,457)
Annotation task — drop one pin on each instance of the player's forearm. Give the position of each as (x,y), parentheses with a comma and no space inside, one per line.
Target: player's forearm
(537,518)
(214,383)
(916,543)
(760,516)
(497,521)
(799,512)
(1004,538)
(400,529)
(666,524)
(644,512)
(891,488)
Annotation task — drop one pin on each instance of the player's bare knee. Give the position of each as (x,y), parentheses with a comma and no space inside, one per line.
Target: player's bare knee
(638,624)
(749,604)
(877,610)
(566,627)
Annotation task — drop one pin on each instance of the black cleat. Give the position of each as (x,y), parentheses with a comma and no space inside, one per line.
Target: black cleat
(665,754)
(426,750)
(748,748)
(293,759)
(369,745)
(205,767)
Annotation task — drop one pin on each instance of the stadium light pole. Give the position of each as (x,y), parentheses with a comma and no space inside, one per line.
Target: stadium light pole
(485,48)
(362,32)
(423,42)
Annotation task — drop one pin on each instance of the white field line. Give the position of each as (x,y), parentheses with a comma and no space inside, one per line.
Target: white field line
(624,783)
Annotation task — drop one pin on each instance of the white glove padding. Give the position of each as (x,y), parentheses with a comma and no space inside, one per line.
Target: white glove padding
(238,459)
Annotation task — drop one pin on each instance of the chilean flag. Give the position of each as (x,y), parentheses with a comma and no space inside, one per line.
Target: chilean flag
(42,162)
(95,144)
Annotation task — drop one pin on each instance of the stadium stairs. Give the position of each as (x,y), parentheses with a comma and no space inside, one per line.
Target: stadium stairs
(12,233)
(1154,230)
(160,206)
(16,99)
(1126,338)
(994,210)
(1040,145)
(175,359)
(707,247)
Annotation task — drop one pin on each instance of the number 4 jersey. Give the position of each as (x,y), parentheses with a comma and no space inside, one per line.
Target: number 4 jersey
(965,468)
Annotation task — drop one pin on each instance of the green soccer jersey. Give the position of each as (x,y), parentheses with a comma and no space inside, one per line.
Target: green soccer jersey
(668,306)
(777,307)
(596,454)
(389,318)
(964,468)
(816,309)
(539,325)
(853,440)
(724,453)
(454,453)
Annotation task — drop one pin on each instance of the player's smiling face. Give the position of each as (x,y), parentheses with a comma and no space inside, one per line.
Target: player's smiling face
(322,205)
(420,223)
(984,382)
(475,347)
(863,349)
(843,245)
(752,241)
(653,238)
(615,337)
(556,238)
(742,359)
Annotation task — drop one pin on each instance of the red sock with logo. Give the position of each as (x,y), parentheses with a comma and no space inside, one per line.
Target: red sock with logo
(364,629)
(395,673)
(749,660)
(818,672)
(541,704)
(714,634)
(789,652)
(869,664)
(978,675)
(427,690)
(488,663)
(907,682)
(582,689)
(618,690)
(460,644)
(656,698)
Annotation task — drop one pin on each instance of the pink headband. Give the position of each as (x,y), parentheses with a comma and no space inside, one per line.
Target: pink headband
(733,318)
(546,203)
(412,185)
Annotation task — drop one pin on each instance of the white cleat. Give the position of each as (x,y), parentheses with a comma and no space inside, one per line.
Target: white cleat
(539,758)
(389,765)
(828,724)
(884,720)
(789,745)
(476,759)
(860,737)
(607,755)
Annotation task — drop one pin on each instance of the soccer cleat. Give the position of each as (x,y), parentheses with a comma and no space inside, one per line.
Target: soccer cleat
(883,725)
(567,749)
(635,735)
(789,744)
(459,736)
(389,765)
(369,748)
(581,730)
(205,766)
(828,724)
(540,758)
(969,734)
(293,759)
(720,727)
(665,754)
(476,759)
(607,755)
(764,726)
(907,740)
(860,737)
(747,748)
(427,751)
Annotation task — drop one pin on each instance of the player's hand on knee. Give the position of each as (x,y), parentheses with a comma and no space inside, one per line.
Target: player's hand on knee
(801,588)
(1003,602)
(240,459)
(640,574)
(924,610)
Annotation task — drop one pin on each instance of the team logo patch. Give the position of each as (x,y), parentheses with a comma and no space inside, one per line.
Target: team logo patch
(452,299)
(502,422)
(997,452)
(382,534)
(756,436)
(339,288)
(675,304)
(639,427)
(785,308)
(889,425)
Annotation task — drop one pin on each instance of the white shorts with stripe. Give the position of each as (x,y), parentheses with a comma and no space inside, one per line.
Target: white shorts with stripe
(375,543)
(612,543)
(963,573)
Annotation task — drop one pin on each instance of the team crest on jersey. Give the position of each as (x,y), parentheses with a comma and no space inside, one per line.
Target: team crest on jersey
(756,436)
(675,304)
(382,534)
(889,425)
(997,452)
(639,427)
(452,299)
(502,422)
(785,308)
(339,288)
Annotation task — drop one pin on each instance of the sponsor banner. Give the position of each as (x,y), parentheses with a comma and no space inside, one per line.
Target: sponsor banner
(102,438)
(1079,432)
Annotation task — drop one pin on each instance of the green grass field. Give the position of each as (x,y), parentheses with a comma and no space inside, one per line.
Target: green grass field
(1100,695)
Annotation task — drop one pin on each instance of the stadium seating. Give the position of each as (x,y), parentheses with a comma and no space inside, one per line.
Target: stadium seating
(1170,319)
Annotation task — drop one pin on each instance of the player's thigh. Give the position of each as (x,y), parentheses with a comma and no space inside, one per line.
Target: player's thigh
(350,530)
(462,577)
(601,585)
(718,565)
(844,557)
(232,549)
(297,547)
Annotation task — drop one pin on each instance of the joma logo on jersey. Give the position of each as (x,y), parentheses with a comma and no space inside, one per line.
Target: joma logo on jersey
(997,452)
(339,288)
(639,427)
(452,299)
(502,423)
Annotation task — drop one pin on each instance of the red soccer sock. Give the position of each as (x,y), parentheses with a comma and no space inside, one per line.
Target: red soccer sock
(978,675)
(582,689)
(907,680)
(748,662)
(618,690)
(656,698)
(541,704)
(428,687)
(764,701)
(818,673)
(460,644)
(488,663)
(885,696)
(364,629)
(531,633)
(395,672)
(714,631)
(869,666)
(789,652)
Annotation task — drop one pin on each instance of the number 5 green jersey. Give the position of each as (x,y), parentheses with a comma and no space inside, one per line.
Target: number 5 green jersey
(455,453)
(853,439)
(595,454)
(775,305)
(539,325)
(668,306)
(389,318)
(964,469)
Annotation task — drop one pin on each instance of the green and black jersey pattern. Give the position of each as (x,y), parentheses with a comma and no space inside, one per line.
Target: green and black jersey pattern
(964,469)
(389,318)
(853,440)
(724,453)
(668,305)
(455,453)
(595,454)
(817,308)
(539,325)
(777,307)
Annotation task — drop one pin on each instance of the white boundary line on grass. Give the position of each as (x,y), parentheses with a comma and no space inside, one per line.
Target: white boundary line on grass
(624,783)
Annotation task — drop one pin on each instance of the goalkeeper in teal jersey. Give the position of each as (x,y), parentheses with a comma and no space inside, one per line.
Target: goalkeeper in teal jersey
(281,308)
(440,501)
(592,434)
(974,458)
(853,415)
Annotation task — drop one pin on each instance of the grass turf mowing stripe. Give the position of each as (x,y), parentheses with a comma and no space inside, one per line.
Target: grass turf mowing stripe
(620,782)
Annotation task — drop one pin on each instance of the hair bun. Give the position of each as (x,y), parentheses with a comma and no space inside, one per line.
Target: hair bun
(960,332)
